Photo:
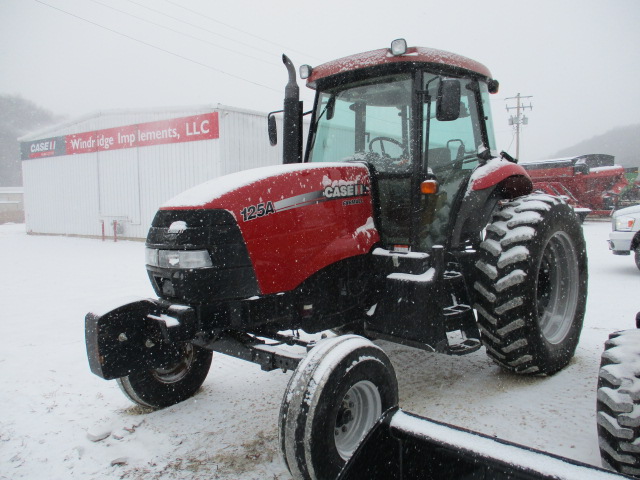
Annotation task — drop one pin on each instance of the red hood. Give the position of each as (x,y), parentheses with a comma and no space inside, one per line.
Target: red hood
(295,219)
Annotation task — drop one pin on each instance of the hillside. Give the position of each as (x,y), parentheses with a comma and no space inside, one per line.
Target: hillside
(622,142)
(17,117)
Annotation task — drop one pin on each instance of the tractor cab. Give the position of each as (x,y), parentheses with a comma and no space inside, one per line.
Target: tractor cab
(420,125)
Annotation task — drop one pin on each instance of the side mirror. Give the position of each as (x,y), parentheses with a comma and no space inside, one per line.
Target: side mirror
(273,129)
(448,100)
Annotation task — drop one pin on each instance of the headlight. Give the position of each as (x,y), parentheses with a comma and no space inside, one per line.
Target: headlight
(177,258)
(625,224)
(151,256)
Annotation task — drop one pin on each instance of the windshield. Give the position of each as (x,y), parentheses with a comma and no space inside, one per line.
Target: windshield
(367,121)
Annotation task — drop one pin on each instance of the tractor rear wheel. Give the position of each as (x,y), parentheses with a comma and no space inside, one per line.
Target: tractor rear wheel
(619,403)
(163,387)
(531,284)
(336,394)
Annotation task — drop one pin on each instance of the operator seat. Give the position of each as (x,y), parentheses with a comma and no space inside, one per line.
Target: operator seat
(438,159)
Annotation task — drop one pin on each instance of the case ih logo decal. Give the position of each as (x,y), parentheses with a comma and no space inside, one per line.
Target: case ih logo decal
(343,191)
(175,130)
(334,192)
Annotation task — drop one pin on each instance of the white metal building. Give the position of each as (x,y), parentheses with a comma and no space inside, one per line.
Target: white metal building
(120,166)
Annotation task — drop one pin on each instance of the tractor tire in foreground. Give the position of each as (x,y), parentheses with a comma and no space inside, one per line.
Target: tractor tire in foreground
(531,285)
(163,387)
(337,393)
(618,407)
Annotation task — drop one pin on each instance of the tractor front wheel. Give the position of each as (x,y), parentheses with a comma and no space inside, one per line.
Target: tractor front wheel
(531,285)
(334,397)
(163,387)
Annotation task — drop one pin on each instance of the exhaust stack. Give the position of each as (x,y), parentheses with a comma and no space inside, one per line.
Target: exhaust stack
(292,121)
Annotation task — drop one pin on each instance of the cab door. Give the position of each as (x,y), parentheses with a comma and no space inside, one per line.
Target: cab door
(450,149)
(371,121)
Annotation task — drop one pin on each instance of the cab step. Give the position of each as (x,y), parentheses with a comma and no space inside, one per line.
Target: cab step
(464,347)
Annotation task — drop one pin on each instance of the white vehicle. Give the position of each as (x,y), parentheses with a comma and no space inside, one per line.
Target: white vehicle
(625,235)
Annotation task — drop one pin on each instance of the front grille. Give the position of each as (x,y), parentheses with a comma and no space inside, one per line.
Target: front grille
(231,274)
(203,228)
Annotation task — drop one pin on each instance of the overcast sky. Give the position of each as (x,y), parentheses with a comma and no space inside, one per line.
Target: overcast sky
(579,59)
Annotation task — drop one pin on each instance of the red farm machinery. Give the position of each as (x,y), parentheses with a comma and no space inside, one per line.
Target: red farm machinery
(591,183)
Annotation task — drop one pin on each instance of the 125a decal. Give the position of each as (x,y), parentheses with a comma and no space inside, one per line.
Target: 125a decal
(251,212)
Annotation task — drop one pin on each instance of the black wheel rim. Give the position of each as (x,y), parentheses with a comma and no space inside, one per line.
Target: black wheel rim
(177,371)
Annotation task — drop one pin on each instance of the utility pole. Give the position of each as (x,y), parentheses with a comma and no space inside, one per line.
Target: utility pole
(519,119)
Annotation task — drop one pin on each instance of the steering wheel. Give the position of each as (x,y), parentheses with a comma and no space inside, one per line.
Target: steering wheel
(382,140)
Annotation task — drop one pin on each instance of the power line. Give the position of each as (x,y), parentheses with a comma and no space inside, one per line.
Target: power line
(199,27)
(183,33)
(158,48)
(238,29)
(513,136)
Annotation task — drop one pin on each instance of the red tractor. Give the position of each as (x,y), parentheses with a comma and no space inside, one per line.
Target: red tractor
(401,222)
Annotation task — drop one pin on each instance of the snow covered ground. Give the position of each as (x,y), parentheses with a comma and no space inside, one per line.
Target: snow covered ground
(50,403)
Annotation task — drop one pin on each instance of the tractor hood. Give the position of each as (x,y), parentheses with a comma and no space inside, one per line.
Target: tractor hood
(295,219)
(218,192)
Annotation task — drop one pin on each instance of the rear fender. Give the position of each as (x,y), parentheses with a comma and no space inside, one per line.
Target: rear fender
(136,336)
(512,177)
(496,180)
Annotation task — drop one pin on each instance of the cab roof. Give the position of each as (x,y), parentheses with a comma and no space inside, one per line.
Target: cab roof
(384,56)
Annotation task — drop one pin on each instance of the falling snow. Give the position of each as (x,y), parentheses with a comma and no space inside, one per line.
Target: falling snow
(55,409)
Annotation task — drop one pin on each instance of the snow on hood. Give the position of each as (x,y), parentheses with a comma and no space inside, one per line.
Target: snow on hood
(213,189)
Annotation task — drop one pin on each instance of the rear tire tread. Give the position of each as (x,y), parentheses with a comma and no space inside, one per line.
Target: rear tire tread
(505,299)
(618,403)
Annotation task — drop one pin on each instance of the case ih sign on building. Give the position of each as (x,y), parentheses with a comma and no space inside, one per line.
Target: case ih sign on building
(175,130)
(110,171)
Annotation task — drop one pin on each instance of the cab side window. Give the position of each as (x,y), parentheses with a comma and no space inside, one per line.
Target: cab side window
(450,154)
